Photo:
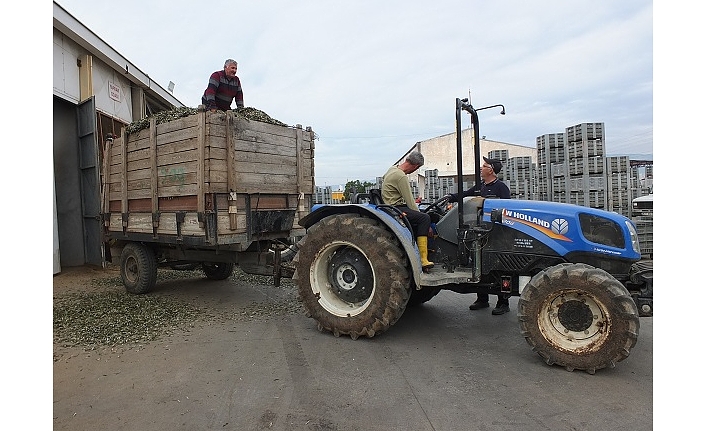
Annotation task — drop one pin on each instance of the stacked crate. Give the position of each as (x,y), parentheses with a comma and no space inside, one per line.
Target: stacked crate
(520,174)
(645,235)
(585,152)
(435,186)
(641,185)
(447,185)
(432,185)
(649,173)
(551,163)
(559,183)
(619,185)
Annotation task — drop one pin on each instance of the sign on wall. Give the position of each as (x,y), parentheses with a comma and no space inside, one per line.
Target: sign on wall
(114,91)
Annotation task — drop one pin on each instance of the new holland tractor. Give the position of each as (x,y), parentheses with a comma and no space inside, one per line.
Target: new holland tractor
(578,272)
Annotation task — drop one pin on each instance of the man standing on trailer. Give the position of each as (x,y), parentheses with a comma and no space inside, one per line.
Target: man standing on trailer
(223,87)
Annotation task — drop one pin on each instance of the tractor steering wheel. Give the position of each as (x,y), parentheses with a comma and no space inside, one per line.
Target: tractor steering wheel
(438,206)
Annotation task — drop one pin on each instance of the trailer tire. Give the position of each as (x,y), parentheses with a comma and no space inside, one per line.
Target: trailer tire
(353,276)
(217,270)
(419,297)
(289,252)
(184,266)
(579,317)
(138,268)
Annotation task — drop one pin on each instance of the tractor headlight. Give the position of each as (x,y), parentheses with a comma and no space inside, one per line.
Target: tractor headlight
(633,236)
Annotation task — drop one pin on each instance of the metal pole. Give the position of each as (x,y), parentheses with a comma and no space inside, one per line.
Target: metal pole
(460,231)
(476,141)
(459,162)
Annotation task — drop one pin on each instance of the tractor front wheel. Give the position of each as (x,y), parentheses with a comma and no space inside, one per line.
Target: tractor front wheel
(578,317)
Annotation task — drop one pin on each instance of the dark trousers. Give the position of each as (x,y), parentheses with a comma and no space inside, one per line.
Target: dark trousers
(421,222)
(502,299)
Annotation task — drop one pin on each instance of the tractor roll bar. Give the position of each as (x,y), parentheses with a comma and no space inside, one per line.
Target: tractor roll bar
(465,105)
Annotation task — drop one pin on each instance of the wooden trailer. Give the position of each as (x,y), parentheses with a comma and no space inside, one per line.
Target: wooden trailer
(212,188)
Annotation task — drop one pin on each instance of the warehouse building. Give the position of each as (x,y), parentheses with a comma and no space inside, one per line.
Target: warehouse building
(96,91)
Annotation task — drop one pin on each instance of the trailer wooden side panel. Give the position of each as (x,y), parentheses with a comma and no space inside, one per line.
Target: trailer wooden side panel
(211,178)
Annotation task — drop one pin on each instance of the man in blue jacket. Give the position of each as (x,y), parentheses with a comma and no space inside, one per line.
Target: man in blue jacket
(490,187)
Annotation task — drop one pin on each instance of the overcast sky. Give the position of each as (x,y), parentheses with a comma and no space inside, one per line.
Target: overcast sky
(373,77)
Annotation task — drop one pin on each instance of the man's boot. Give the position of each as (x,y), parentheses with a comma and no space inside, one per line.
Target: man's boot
(422,244)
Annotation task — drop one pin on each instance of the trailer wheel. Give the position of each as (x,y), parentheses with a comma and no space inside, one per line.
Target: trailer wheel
(138,268)
(578,317)
(217,270)
(352,275)
(184,266)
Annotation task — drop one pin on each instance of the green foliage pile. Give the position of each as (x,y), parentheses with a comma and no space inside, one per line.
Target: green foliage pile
(160,117)
(166,116)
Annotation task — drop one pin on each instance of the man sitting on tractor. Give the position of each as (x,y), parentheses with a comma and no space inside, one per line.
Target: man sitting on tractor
(397,192)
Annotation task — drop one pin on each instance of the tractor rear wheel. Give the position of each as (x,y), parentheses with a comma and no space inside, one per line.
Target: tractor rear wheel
(353,276)
(578,317)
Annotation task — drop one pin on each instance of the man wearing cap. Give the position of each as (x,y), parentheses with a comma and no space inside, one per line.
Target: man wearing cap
(490,187)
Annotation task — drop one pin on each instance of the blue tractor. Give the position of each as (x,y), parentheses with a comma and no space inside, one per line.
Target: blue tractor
(578,272)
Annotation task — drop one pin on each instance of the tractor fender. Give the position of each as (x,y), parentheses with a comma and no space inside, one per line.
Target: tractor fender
(403,234)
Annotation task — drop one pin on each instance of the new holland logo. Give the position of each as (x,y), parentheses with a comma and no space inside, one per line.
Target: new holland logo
(560,226)
(556,229)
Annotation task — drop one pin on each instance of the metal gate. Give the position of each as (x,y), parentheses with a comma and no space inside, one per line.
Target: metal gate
(89,173)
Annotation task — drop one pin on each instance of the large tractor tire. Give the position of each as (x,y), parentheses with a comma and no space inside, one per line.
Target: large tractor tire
(353,276)
(578,317)
(217,270)
(138,268)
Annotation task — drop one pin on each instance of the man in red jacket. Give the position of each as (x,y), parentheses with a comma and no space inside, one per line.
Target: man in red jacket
(223,87)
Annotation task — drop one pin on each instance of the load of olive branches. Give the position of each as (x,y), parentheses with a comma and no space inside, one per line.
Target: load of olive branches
(176,113)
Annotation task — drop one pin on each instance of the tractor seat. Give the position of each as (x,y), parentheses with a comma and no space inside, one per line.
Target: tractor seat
(374,197)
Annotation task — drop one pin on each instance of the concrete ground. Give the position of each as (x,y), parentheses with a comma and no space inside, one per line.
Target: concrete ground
(440,367)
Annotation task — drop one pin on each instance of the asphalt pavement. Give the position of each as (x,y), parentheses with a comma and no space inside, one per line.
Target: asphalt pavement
(440,367)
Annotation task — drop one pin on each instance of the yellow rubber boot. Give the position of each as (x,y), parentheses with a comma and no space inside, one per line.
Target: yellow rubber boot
(422,244)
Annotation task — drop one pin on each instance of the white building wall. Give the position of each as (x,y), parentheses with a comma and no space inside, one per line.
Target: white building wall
(67,86)
(440,152)
(66,81)
(103,78)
